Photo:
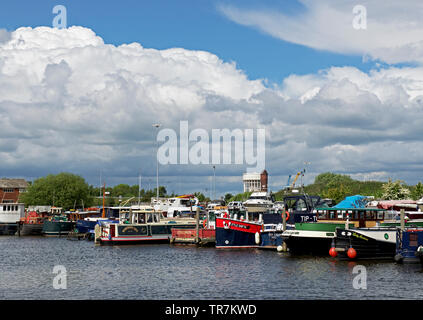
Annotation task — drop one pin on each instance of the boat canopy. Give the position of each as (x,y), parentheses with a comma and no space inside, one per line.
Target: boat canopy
(352,202)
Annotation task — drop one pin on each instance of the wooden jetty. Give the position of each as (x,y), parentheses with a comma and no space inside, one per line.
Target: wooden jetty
(201,237)
(206,237)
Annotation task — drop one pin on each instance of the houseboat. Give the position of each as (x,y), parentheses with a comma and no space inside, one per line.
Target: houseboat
(10,216)
(138,225)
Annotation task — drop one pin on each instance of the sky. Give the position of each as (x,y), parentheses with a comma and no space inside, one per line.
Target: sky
(336,85)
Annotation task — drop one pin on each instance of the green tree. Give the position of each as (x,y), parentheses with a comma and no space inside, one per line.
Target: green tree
(228,197)
(337,193)
(201,197)
(64,190)
(395,190)
(417,193)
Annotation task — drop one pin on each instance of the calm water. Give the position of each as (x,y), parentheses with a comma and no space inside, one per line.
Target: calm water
(180,272)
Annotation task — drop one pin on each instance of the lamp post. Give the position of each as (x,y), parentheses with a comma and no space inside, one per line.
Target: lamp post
(157,125)
(214,182)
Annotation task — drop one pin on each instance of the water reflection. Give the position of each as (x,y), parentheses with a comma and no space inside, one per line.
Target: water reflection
(186,272)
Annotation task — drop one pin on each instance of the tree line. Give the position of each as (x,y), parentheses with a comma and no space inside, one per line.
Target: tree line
(70,191)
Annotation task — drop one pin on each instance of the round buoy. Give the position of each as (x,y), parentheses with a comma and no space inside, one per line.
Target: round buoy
(332,252)
(279,248)
(351,253)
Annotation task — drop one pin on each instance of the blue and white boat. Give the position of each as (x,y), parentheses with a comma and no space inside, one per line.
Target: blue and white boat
(409,245)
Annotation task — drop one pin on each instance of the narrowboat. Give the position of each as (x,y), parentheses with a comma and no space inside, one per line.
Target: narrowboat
(409,245)
(139,225)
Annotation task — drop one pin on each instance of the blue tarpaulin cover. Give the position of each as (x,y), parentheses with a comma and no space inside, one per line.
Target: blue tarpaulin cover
(356,201)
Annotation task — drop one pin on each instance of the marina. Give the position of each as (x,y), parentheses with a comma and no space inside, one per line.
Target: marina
(193,250)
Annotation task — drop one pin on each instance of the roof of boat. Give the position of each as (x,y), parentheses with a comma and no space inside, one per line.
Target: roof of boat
(350,209)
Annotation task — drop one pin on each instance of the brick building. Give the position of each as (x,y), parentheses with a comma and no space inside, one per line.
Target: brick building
(11,188)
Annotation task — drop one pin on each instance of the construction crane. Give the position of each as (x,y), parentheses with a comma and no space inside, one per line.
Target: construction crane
(295,179)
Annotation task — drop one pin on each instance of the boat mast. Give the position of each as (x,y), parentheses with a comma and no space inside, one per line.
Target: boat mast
(104,195)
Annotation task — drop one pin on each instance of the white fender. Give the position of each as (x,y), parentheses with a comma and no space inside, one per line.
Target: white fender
(257,238)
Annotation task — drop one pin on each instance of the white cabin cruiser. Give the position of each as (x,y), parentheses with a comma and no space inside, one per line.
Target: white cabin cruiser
(259,202)
(185,205)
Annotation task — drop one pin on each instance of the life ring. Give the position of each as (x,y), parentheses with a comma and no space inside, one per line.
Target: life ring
(225,215)
(287,215)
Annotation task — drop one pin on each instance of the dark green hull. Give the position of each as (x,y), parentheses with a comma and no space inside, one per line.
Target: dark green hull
(321,226)
(57,228)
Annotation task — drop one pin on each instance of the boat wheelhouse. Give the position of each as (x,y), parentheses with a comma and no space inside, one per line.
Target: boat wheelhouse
(259,202)
(182,206)
(10,215)
(139,224)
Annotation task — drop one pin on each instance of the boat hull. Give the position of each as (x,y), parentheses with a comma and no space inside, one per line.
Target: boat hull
(270,240)
(28,229)
(368,243)
(409,246)
(124,234)
(8,229)
(231,233)
(57,228)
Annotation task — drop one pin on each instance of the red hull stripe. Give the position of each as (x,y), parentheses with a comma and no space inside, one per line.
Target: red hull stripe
(236,247)
(132,239)
(238,225)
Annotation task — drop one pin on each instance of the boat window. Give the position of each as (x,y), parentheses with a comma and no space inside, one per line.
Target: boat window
(149,218)
(380,215)
(300,205)
(322,214)
(332,215)
(141,218)
(4,208)
(290,203)
(362,215)
(413,239)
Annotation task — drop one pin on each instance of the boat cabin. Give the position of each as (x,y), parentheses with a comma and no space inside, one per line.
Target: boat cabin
(11,212)
(139,215)
(361,217)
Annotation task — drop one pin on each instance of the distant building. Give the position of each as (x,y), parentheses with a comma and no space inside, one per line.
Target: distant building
(255,181)
(11,188)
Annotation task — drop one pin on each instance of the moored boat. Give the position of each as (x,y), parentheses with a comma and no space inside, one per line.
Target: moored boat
(316,237)
(139,225)
(409,245)
(365,243)
(58,224)
(10,215)
(32,223)
(244,231)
